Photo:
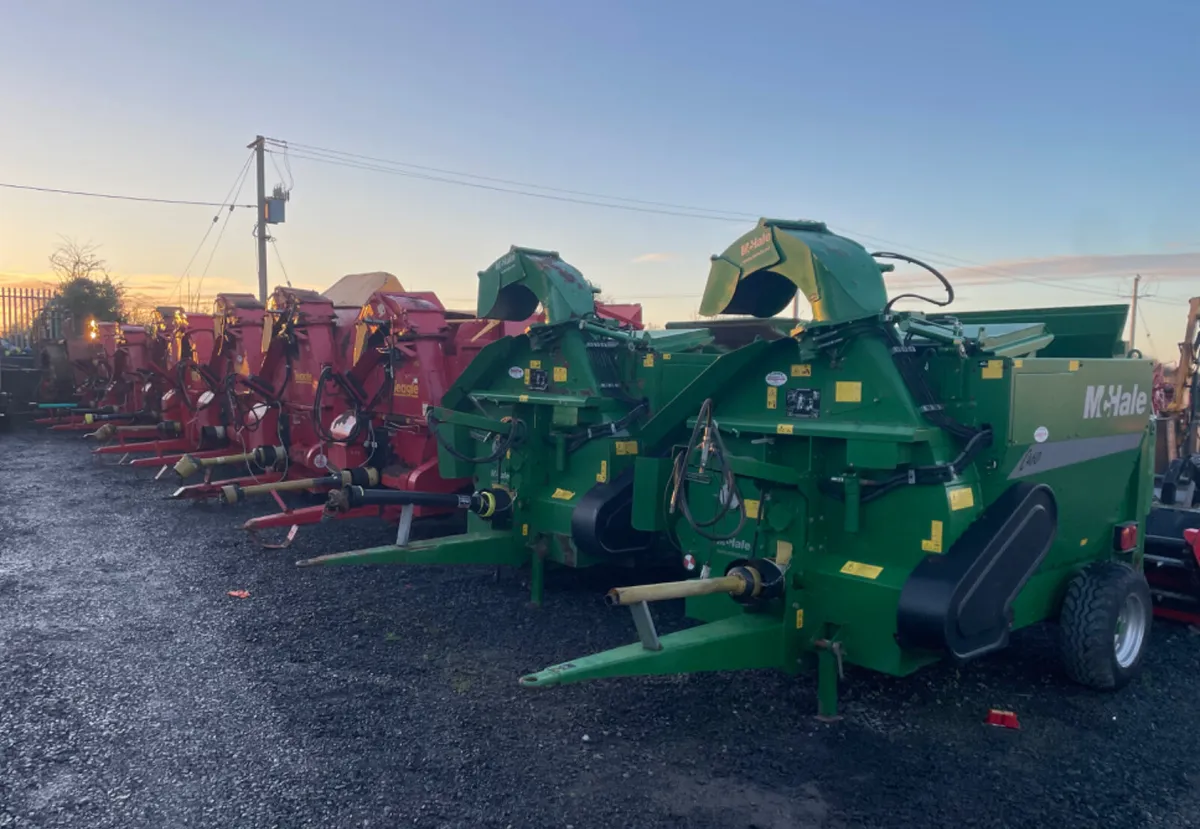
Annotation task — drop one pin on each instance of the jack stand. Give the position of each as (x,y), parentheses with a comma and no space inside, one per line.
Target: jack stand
(292,532)
(829,671)
(537,576)
(644,622)
(282,545)
(404,528)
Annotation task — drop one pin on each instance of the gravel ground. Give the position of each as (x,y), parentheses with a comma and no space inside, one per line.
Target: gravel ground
(134,692)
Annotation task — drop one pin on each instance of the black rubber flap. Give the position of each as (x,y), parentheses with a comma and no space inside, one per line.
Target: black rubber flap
(960,602)
(602,523)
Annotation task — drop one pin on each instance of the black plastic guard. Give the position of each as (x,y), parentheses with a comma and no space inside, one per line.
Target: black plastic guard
(960,602)
(602,523)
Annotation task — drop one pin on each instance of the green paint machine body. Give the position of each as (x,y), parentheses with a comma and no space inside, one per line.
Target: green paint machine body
(881,488)
(547,425)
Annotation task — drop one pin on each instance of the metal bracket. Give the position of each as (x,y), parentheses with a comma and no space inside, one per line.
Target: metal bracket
(404,528)
(834,647)
(644,622)
(282,545)
(161,472)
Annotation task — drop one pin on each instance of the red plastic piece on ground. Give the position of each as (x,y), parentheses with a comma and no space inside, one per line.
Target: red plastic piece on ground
(1003,719)
(239,594)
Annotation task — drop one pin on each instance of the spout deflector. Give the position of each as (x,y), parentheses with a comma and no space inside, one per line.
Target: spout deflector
(759,274)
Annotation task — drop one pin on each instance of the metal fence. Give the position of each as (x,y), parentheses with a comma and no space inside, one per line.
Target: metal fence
(28,316)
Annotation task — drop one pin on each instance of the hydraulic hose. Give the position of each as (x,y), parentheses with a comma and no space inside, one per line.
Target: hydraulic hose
(515,435)
(706,436)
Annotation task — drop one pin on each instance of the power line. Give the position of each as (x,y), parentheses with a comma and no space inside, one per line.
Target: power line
(325,155)
(339,154)
(235,191)
(279,259)
(376,168)
(118,197)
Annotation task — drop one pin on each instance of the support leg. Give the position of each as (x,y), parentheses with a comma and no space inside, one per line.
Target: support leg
(829,667)
(537,578)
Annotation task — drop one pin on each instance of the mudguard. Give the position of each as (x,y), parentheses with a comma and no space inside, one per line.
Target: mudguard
(960,602)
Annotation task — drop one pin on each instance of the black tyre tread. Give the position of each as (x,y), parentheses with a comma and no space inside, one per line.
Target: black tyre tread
(1086,623)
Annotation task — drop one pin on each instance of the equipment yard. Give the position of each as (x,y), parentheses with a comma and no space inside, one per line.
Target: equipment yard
(136,692)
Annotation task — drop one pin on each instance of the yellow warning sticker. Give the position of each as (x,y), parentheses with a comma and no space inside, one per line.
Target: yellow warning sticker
(602,475)
(648,361)
(772,397)
(783,552)
(1018,363)
(563,494)
(802,370)
(560,374)
(783,428)
(626,447)
(799,618)
(535,363)
(848,391)
(524,529)
(303,378)
(527,377)
(866,571)
(524,398)
(751,508)
(666,356)
(962,497)
(933,544)
(1073,365)
(993,370)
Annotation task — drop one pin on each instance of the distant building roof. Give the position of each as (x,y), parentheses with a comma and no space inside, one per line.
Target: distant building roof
(354,289)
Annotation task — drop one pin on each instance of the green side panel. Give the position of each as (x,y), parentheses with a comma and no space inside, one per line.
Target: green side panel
(652,476)
(516,283)
(1085,331)
(759,274)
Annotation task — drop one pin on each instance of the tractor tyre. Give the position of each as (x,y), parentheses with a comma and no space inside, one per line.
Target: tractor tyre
(1105,625)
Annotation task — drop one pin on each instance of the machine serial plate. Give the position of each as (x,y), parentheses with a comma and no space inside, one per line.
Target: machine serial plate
(803,403)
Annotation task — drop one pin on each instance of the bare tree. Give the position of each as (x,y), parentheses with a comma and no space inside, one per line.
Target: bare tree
(74,260)
(86,288)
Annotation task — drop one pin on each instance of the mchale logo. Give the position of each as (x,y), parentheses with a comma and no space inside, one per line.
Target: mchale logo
(1113,401)
(756,243)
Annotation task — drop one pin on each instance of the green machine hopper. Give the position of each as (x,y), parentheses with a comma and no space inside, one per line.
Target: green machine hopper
(547,426)
(888,488)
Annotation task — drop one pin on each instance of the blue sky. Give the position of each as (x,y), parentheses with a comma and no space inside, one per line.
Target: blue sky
(1040,140)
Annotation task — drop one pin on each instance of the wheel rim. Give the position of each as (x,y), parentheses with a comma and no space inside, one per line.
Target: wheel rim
(1131,630)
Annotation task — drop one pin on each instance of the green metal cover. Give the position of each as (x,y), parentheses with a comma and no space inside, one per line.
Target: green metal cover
(515,284)
(1082,331)
(760,273)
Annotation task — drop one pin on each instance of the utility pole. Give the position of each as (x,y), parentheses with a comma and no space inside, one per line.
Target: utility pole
(1137,280)
(259,147)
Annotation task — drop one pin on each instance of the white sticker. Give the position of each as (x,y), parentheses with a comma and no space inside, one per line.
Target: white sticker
(320,461)
(1040,434)
(776,378)
(516,372)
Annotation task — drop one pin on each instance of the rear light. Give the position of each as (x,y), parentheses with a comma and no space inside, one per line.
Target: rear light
(1126,537)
